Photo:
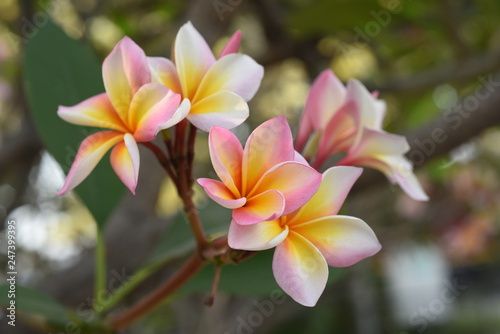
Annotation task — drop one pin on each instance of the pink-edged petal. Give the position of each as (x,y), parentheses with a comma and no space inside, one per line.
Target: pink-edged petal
(398,170)
(256,237)
(304,132)
(297,182)
(181,113)
(125,161)
(338,136)
(300,159)
(193,58)
(236,73)
(163,71)
(124,71)
(269,144)
(219,193)
(342,240)
(378,142)
(368,111)
(300,269)
(90,152)
(232,45)
(263,207)
(226,155)
(327,201)
(326,97)
(152,106)
(401,172)
(224,109)
(95,111)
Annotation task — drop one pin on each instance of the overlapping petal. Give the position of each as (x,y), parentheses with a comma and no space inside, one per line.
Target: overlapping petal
(327,201)
(265,206)
(236,73)
(325,99)
(151,106)
(342,240)
(338,135)
(223,108)
(300,269)
(124,71)
(378,142)
(264,235)
(269,144)
(163,71)
(91,150)
(218,192)
(368,110)
(95,111)
(125,161)
(193,58)
(226,155)
(295,181)
(180,114)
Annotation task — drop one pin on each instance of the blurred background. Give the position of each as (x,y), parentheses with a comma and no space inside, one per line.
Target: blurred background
(436,65)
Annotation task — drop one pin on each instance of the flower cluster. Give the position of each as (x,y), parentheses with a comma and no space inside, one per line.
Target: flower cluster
(143,96)
(276,194)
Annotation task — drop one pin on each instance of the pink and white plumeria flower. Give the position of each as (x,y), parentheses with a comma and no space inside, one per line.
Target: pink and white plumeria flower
(263,181)
(349,119)
(218,89)
(133,109)
(312,238)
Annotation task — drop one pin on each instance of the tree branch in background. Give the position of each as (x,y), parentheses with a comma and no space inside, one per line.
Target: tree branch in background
(460,71)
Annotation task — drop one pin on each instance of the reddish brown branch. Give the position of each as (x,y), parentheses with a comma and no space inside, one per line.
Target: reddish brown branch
(190,268)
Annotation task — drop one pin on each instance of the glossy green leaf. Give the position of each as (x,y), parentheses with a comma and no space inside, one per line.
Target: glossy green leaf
(61,71)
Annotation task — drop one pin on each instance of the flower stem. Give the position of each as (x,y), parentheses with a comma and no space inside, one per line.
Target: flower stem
(100,264)
(130,285)
(184,167)
(190,268)
(190,154)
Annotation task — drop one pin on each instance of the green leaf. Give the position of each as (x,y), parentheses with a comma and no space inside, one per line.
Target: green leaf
(34,302)
(62,71)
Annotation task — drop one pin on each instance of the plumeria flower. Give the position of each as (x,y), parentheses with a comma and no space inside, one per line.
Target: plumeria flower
(312,238)
(349,119)
(218,89)
(263,181)
(133,109)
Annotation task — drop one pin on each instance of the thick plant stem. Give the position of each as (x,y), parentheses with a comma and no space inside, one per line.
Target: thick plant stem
(184,167)
(190,268)
(190,154)
(194,221)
